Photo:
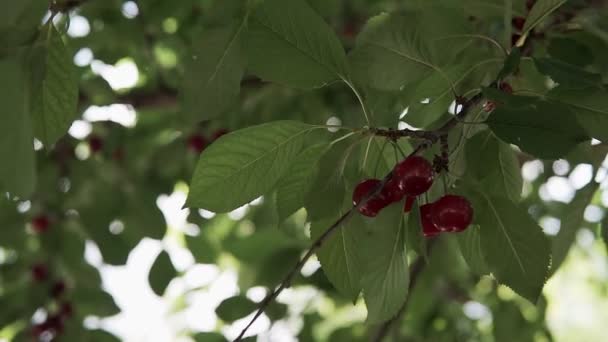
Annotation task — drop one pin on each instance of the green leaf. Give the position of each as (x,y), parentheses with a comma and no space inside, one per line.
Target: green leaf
(511,63)
(570,51)
(203,250)
(495,164)
(338,254)
(161,273)
(604,231)
(291,44)
(543,129)
(470,247)
(383,264)
(245,164)
(93,301)
(234,308)
(414,240)
(295,185)
(567,75)
(57,94)
(540,10)
(571,221)
(391,51)
(209,337)
(17,174)
(19,21)
(590,106)
(516,250)
(212,79)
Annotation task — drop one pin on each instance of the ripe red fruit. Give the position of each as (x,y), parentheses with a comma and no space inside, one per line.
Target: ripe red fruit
(373,205)
(409,202)
(55,323)
(57,289)
(41,223)
(197,143)
(518,23)
(429,229)
(40,272)
(95,143)
(217,134)
(414,175)
(506,87)
(452,213)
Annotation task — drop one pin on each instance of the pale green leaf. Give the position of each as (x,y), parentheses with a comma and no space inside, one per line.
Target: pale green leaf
(18,173)
(291,44)
(212,79)
(383,264)
(56,97)
(245,164)
(540,10)
(571,221)
(161,273)
(295,185)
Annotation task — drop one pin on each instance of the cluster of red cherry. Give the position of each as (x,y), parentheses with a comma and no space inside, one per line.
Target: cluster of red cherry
(54,323)
(410,178)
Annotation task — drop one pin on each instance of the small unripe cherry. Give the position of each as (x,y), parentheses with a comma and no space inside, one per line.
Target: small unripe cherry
(518,23)
(506,87)
(41,223)
(58,289)
(414,175)
(452,213)
(197,143)
(429,229)
(374,204)
(40,272)
(409,202)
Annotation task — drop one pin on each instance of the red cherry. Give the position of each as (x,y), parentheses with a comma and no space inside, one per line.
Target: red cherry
(414,175)
(66,310)
(197,143)
(55,323)
(57,289)
(349,30)
(429,229)
(452,213)
(95,143)
(506,87)
(409,202)
(518,23)
(373,205)
(40,272)
(41,223)
(217,134)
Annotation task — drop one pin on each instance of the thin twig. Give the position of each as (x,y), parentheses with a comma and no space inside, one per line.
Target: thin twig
(313,248)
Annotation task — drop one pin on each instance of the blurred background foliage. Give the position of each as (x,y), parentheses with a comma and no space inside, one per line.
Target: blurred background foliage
(136,141)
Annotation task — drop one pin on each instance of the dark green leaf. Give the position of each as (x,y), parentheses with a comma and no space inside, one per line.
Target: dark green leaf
(212,80)
(543,129)
(245,164)
(298,180)
(495,164)
(161,273)
(94,301)
(590,106)
(203,250)
(234,308)
(567,75)
(511,63)
(571,221)
(383,263)
(19,21)
(289,43)
(540,10)
(414,239)
(604,231)
(17,174)
(56,96)
(209,337)
(515,248)
(570,51)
